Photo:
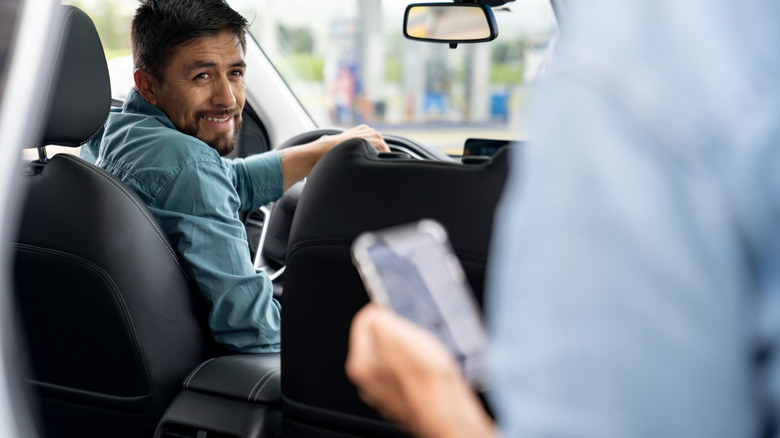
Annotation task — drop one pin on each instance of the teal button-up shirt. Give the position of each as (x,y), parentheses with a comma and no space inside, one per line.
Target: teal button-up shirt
(196,196)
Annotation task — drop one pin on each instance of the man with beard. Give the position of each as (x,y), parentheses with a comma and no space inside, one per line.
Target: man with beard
(167,144)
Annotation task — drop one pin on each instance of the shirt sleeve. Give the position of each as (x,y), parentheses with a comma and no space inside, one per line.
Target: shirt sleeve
(622,295)
(197,209)
(258,179)
(617,305)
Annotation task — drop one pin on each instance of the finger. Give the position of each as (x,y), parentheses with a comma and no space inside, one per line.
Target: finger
(367,399)
(382,146)
(360,348)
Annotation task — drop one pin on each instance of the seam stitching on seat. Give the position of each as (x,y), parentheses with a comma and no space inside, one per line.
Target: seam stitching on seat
(249,398)
(125,193)
(318,242)
(116,292)
(189,378)
(309,243)
(269,374)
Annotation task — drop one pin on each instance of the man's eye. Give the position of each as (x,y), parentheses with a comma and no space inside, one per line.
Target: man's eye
(201,76)
(237,73)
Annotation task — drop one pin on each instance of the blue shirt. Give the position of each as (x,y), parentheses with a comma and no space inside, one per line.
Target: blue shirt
(196,196)
(637,266)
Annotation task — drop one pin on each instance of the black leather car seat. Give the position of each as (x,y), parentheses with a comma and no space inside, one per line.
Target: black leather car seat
(351,190)
(113,323)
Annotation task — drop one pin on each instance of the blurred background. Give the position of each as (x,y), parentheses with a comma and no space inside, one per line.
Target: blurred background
(348,63)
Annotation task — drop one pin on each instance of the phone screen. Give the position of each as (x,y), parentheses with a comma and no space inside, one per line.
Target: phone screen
(485,146)
(413,270)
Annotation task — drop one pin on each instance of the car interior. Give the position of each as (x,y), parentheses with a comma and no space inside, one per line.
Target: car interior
(315,318)
(116,330)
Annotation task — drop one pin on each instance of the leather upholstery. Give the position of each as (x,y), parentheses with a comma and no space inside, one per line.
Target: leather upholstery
(349,191)
(254,378)
(78,94)
(113,323)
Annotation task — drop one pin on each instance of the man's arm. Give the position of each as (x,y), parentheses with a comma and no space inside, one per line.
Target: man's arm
(297,161)
(257,179)
(197,209)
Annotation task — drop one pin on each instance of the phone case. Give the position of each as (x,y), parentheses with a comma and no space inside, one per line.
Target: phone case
(413,270)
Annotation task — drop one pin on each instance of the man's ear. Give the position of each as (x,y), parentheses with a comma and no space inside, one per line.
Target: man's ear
(147,85)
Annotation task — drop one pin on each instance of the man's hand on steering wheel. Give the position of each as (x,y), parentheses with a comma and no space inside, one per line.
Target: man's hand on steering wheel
(363,131)
(297,161)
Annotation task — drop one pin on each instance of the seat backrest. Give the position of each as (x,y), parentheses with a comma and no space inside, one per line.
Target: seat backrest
(349,191)
(113,323)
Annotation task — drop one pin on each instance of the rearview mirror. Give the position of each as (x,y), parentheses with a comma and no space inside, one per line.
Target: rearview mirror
(451,23)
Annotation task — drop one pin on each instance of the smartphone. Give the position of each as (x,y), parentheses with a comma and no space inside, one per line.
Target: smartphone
(413,270)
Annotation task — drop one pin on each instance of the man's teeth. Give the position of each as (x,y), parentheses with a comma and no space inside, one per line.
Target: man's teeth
(215,119)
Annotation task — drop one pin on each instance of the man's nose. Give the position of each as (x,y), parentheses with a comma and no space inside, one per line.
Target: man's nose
(222,94)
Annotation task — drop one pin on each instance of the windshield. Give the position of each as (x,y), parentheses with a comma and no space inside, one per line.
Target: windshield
(348,63)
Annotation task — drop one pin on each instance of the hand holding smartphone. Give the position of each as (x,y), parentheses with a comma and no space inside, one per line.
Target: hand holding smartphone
(413,270)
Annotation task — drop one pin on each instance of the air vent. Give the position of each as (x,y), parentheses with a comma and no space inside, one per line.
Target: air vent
(173,430)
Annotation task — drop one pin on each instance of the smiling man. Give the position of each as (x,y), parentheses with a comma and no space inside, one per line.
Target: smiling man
(168,142)
(203,90)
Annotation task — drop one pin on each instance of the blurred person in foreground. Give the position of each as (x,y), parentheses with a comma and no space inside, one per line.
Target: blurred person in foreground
(635,279)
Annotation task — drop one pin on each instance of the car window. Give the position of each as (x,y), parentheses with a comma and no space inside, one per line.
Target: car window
(348,63)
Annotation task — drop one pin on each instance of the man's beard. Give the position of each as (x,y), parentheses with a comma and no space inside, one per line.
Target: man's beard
(224,143)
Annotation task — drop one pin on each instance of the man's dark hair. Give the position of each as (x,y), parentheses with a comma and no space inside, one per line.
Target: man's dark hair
(161,26)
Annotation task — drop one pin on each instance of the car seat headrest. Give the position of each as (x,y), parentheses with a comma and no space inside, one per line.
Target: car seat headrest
(78,98)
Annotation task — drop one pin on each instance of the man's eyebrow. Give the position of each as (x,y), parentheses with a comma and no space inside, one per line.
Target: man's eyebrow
(207,64)
(240,64)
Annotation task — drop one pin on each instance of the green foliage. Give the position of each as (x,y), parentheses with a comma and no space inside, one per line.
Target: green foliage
(507,62)
(297,39)
(511,74)
(393,70)
(112,23)
(115,53)
(508,51)
(302,66)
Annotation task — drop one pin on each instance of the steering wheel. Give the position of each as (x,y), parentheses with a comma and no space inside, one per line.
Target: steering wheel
(268,228)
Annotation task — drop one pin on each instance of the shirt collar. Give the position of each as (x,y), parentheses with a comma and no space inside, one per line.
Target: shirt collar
(135,104)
